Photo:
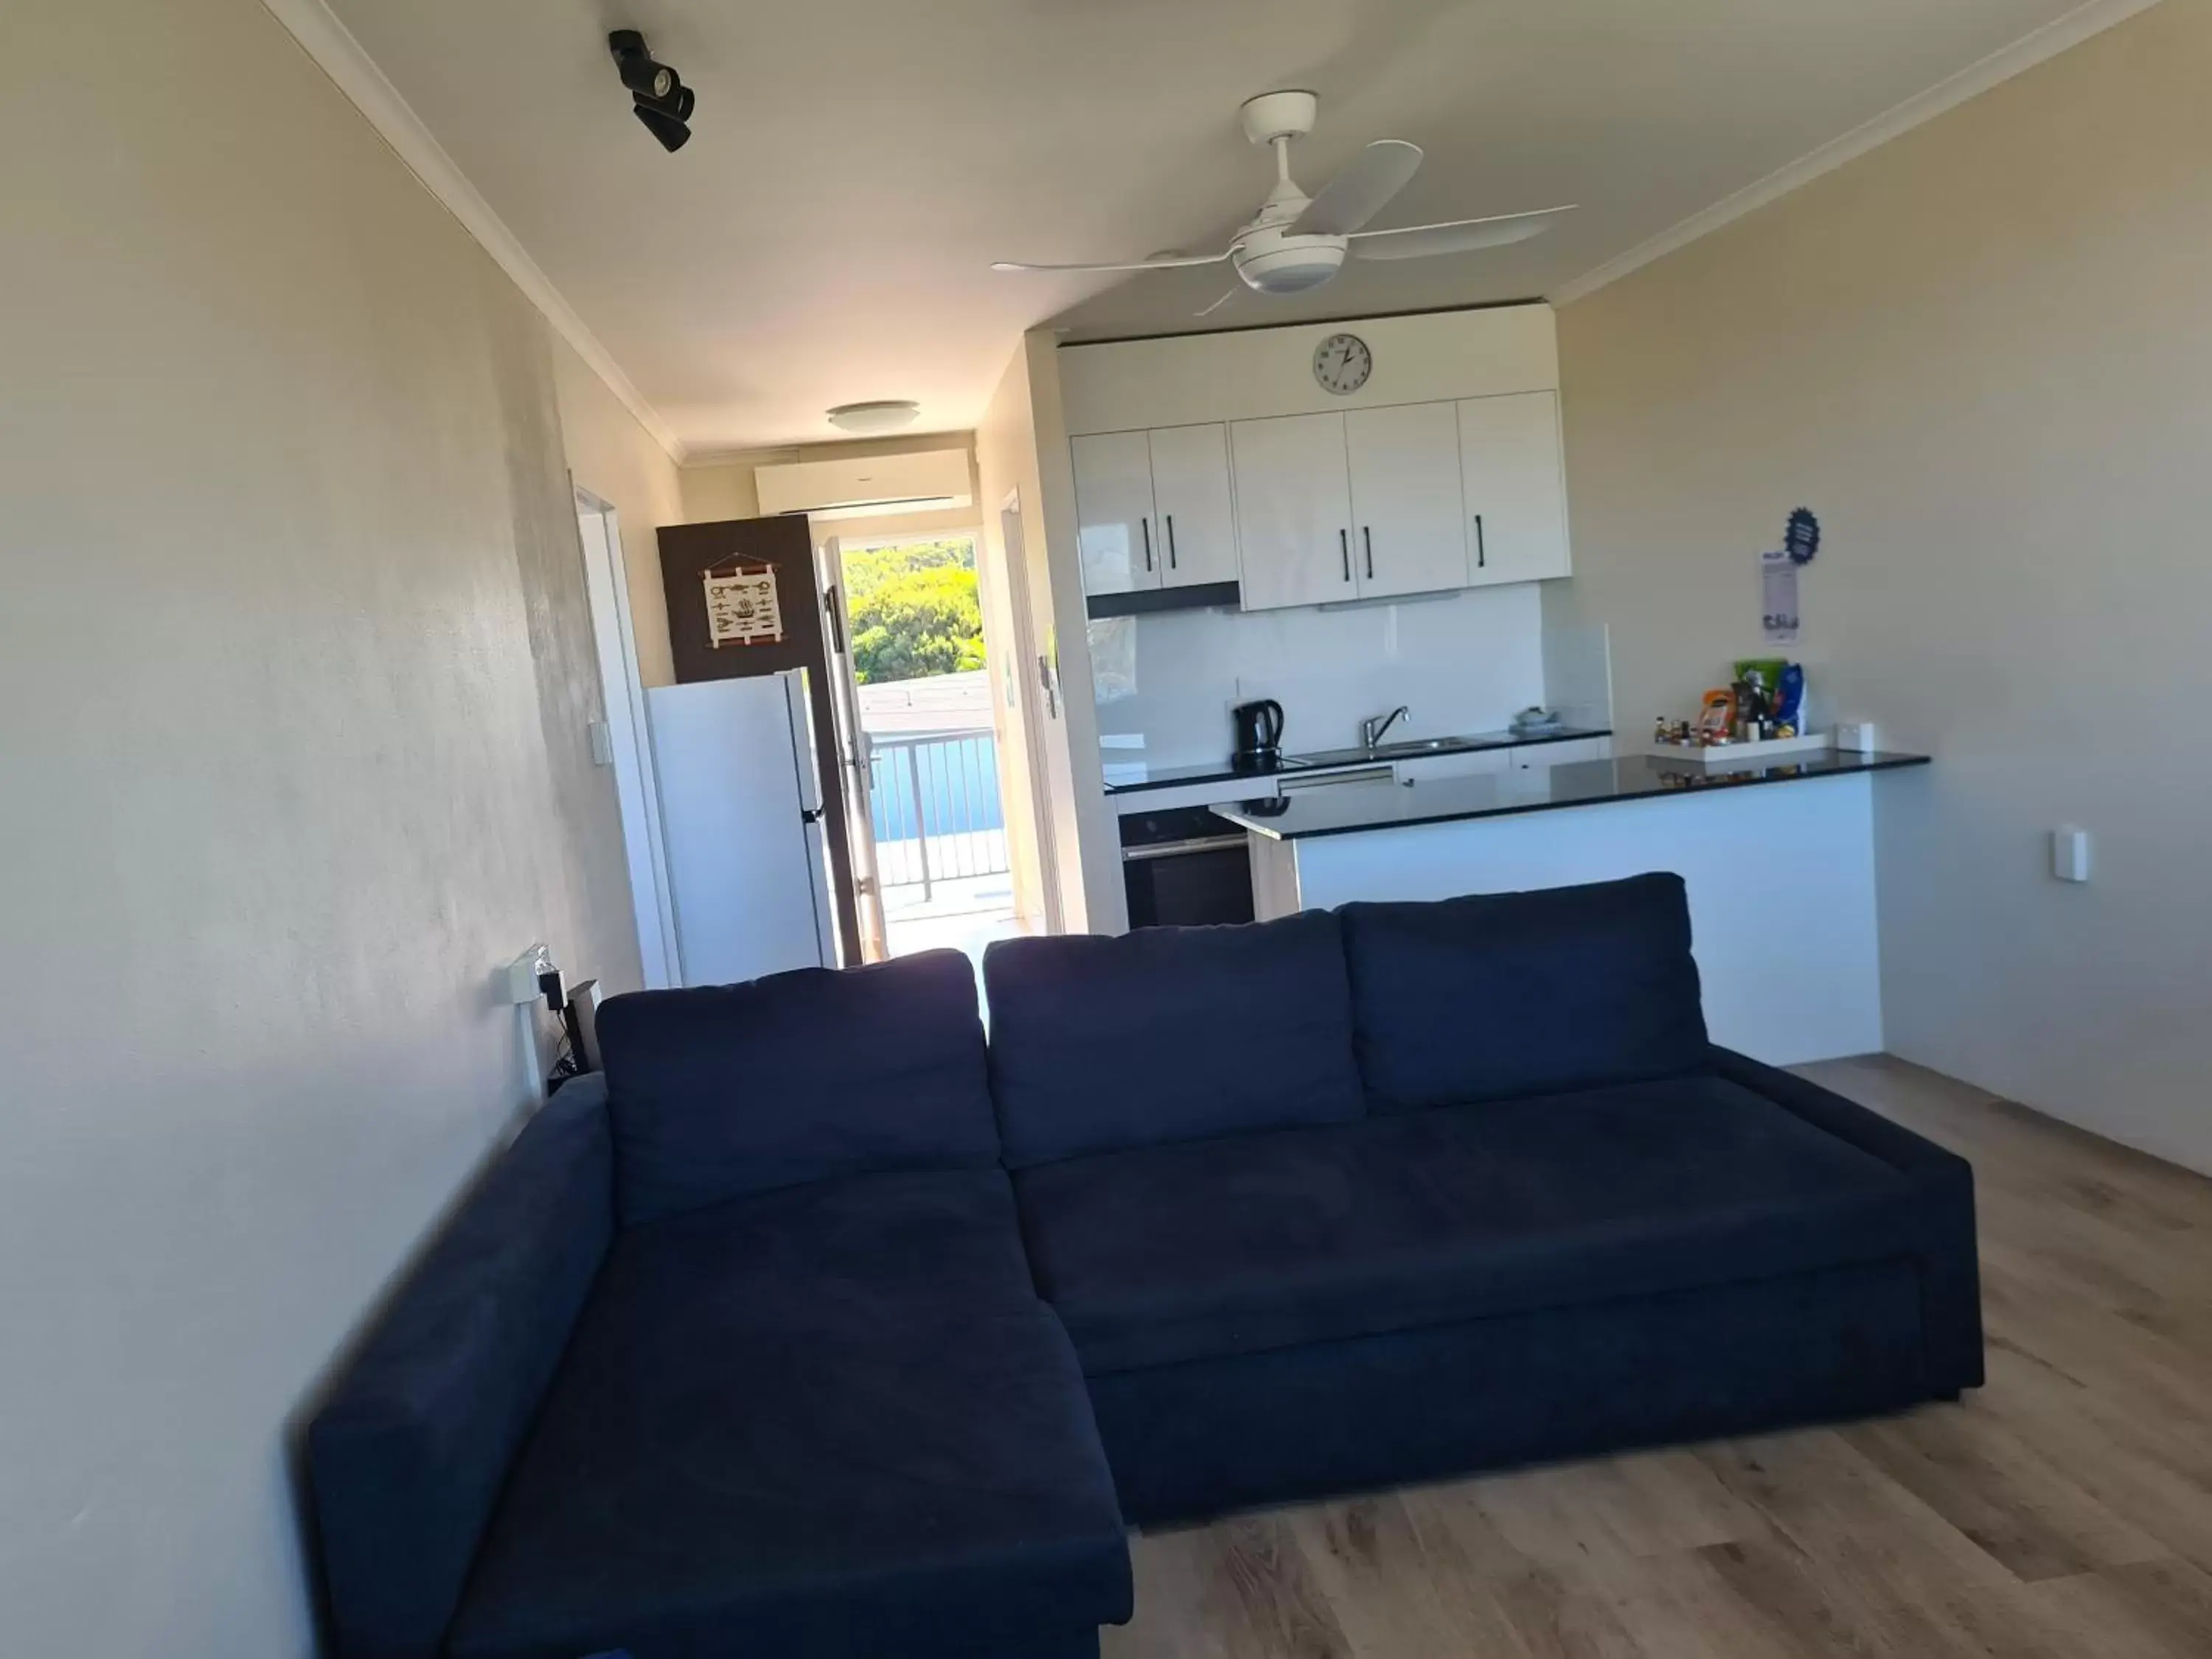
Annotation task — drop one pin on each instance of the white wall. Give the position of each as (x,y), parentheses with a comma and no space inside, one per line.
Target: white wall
(295,666)
(1983,353)
(1165,683)
(1253,374)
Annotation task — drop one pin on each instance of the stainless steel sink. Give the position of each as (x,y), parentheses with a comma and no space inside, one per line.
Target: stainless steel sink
(1408,750)
(1422,746)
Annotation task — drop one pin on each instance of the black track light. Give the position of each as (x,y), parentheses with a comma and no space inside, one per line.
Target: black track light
(673,133)
(662,102)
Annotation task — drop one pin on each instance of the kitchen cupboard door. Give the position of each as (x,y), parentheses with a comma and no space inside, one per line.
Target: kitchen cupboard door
(1529,757)
(1293,510)
(1473,763)
(1409,533)
(1114,528)
(1515,478)
(1197,528)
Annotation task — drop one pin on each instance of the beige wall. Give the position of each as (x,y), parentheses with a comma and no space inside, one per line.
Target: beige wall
(1983,353)
(620,462)
(293,761)
(1022,451)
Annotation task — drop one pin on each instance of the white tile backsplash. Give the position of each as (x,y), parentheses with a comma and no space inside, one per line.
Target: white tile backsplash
(1462,662)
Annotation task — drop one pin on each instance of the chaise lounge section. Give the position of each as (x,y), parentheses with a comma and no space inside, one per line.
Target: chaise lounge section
(744,1360)
(825,1330)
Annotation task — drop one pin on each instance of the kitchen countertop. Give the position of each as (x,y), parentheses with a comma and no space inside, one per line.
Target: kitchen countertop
(1356,807)
(1127,778)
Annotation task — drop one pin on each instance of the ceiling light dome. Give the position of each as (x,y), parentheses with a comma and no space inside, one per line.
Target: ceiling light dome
(874,420)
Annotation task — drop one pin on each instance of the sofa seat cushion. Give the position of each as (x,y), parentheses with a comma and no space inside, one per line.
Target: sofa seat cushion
(1235,1246)
(831,1420)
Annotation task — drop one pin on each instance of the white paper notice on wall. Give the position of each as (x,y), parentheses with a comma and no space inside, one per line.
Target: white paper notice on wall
(1777,598)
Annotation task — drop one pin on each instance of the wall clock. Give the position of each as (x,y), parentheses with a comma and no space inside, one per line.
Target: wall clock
(1342,363)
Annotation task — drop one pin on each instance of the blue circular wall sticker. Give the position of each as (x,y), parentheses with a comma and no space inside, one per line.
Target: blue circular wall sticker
(1802,539)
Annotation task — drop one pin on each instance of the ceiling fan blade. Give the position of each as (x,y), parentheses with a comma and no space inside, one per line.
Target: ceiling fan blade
(1361,191)
(1222,301)
(1173,263)
(1458,236)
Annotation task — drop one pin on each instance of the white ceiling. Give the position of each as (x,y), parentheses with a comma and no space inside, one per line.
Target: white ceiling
(857,164)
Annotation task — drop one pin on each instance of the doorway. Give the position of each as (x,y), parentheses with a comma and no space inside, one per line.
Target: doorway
(619,738)
(927,752)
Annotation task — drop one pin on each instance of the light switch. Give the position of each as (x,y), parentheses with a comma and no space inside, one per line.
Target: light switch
(2070,853)
(603,744)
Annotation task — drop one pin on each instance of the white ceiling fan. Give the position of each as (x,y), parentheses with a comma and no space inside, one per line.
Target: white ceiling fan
(1298,242)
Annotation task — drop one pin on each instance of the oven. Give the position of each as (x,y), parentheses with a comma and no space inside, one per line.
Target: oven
(1183,867)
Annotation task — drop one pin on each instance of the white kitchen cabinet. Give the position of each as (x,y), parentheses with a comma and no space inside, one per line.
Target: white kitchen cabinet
(1473,763)
(1405,499)
(1114,513)
(1293,510)
(1195,535)
(1516,488)
(1409,534)
(1530,755)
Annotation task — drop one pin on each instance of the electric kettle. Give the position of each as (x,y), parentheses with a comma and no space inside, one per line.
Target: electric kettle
(1259,736)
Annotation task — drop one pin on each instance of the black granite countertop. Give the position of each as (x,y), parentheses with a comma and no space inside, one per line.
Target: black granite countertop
(1357,807)
(1172,777)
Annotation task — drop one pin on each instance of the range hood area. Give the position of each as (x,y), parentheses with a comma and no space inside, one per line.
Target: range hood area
(1146,601)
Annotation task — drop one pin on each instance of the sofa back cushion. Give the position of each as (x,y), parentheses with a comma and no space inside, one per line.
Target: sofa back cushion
(719,1093)
(1168,1034)
(1508,994)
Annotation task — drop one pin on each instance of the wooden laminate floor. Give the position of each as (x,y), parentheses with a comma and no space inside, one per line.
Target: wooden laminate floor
(2065,1510)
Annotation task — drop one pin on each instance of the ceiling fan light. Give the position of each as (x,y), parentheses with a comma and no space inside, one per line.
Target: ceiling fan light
(874,420)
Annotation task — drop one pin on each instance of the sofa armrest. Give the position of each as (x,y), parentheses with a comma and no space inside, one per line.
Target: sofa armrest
(1948,1254)
(1871,1132)
(407,1455)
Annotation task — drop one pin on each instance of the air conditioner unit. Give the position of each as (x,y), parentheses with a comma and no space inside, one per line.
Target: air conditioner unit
(922,481)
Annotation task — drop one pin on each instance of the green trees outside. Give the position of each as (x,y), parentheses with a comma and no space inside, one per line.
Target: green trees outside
(914,610)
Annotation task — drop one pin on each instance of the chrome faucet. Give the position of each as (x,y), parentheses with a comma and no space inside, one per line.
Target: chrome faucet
(1372,728)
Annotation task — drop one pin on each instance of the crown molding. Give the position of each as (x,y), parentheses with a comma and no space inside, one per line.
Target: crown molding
(355,73)
(2060,35)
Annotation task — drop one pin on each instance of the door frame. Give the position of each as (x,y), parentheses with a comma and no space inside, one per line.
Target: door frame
(1038,678)
(627,748)
(852,740)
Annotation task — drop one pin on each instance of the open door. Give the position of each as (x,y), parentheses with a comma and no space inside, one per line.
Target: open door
(853,755)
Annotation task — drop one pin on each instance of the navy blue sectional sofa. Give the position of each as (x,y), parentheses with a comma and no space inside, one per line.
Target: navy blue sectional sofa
(825,1329)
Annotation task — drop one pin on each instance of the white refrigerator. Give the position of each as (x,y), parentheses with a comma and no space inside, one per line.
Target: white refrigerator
(741,827)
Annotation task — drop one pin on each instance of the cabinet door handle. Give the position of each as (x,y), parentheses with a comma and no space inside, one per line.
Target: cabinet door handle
(1344,550)
(1145,525)
(1171,548)
(1367,540)
(1481,545)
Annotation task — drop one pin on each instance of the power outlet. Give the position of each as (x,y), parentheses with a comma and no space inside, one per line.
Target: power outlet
(2070,853)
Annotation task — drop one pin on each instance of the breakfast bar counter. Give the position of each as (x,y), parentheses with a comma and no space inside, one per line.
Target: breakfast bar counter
(1779,859)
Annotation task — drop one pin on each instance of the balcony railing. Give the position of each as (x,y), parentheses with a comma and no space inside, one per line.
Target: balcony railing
(935,805)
